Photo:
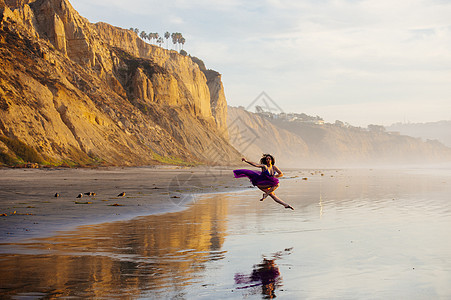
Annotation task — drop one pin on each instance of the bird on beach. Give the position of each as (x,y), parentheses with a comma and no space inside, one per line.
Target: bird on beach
(80,195)
(90,194)
(57,195)
(121,194)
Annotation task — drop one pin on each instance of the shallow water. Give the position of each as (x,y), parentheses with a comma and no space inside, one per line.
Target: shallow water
(354,234)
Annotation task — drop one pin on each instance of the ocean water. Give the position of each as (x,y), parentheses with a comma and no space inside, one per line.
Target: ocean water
(354,234)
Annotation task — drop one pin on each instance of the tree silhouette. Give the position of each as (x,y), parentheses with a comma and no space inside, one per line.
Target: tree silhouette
(160,41)
(177,39)
(154,36)
(166,36)
(143,35)
(174,40)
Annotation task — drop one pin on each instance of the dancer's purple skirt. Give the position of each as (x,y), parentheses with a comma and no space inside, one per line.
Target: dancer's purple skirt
(257,178)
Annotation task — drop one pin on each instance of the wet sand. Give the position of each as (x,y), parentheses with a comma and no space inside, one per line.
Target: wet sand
(30,209)
(379,234)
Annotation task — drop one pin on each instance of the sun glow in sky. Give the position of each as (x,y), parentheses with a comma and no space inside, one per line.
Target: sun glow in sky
(358,61)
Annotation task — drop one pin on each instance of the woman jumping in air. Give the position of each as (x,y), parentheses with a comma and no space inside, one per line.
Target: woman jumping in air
(266,180)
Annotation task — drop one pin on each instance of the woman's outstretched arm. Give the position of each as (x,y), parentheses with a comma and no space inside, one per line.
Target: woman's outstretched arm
(252,163)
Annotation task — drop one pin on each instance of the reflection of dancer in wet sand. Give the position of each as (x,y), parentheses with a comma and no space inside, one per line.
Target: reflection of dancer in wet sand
(266,180)
(266,275)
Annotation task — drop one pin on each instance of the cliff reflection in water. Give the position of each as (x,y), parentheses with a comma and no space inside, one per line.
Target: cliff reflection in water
(148,254)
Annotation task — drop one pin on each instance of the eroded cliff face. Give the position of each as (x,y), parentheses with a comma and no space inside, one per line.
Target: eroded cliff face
(88,93)
(253,135)
(217,101)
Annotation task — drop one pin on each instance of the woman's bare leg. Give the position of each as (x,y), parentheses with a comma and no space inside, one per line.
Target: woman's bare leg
(278,200)
(267,191)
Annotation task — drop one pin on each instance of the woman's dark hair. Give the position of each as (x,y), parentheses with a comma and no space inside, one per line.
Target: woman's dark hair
(263,159)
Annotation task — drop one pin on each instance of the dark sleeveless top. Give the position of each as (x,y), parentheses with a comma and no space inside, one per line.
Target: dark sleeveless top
(266,172)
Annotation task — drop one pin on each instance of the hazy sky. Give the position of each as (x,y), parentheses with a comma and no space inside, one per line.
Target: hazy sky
(361,62)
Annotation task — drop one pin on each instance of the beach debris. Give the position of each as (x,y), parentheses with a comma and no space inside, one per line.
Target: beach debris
(78,202)
(115,204)
(57,195)
(80,195)
(304,178)
(175,197)
(121,194)
(5,214)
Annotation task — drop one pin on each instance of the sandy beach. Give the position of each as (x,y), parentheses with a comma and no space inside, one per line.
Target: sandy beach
(354,234)
(29,207)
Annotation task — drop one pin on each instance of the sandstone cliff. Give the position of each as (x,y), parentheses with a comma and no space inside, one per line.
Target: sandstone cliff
(217,100)
(82,93)
(254,135)
(297,144)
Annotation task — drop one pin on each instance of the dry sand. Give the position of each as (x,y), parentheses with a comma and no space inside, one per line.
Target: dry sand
(29,208)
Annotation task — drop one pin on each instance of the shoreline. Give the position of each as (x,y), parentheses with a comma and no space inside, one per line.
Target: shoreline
(30,209)
(368,225)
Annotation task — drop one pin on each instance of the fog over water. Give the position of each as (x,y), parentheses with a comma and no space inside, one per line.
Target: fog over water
(440,131)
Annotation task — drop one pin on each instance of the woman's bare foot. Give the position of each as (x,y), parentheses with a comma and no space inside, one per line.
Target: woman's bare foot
(289,206)
(264,197)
